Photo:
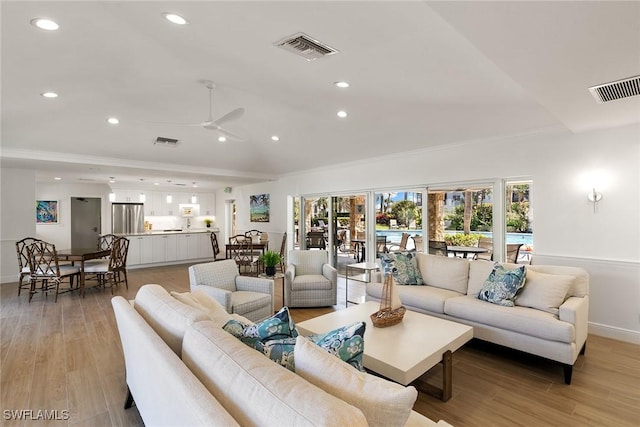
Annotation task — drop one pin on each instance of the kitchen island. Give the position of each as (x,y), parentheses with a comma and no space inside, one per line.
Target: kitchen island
(165,247)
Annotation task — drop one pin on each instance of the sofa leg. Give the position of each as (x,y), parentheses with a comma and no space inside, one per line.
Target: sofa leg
(128,402)
(568,370)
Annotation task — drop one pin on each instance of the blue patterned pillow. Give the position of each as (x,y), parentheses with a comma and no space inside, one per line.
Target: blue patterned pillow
(403,266)
(346,343)
(278,326)
(280,351)
(502,286)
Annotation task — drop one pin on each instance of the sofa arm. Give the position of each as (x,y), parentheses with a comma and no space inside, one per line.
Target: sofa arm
(254,284)
(575,310)
(223,296)
(330,273)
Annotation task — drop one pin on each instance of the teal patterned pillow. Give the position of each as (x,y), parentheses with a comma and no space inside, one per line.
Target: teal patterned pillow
(280,351)
(278,326)
(502,286)
(347,343)
(403,266)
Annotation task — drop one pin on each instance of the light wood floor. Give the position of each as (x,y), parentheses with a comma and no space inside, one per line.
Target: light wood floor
(67,357)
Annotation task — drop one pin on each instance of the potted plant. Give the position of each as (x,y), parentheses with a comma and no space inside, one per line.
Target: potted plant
(208,222)
(270,259)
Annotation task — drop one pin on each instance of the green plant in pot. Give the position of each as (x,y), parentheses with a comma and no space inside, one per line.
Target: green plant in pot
(208,222)
(270,259)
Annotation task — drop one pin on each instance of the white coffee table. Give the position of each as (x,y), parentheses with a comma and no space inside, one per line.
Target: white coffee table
(402,352)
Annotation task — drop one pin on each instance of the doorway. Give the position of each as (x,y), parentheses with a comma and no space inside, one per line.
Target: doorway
(86,219)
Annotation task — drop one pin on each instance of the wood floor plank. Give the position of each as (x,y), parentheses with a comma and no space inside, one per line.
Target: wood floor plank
(490,386)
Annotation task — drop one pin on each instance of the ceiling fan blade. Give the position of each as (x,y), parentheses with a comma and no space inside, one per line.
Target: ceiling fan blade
(230,116)
(224,132)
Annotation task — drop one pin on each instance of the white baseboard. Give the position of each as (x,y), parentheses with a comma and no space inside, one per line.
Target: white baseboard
(619,334)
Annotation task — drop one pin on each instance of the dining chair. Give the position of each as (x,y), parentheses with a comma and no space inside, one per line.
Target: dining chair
(283,249)
(22,248)
(437,247)
(44,267)
(417,242)
(216,248)
(404,239)
(106,241)
(241,251)
(486,243)
(315,240)
(108,271)
(513,251)
(381,245)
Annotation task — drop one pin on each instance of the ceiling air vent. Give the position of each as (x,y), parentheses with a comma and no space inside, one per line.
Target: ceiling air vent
(165,142)
(616,90)
(305,46)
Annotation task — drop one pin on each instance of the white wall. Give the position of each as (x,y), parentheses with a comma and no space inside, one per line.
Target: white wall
(566,228)
(60,234)
(18,216)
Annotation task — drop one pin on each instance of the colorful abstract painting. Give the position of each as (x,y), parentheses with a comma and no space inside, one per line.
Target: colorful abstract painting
(46,211)
(259,208)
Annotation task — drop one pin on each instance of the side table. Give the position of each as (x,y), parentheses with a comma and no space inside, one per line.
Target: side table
(274,278)
(365,276)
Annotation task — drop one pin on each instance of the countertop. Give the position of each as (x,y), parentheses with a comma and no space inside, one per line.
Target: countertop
(175,231)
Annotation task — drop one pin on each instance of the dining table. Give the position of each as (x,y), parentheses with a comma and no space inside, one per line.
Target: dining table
(466,250)
(261,246)
(82,254)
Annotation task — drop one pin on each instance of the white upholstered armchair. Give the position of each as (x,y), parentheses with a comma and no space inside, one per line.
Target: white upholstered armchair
(310,281)
(250,297)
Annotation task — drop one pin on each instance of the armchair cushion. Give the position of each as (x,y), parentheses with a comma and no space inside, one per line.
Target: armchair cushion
(311,281)
(245,301)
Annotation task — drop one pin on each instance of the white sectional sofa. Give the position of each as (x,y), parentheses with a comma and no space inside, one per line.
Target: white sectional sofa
(182,368)
(450,290)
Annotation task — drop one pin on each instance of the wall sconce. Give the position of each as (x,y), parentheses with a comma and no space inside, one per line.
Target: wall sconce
(169,198)
(112,197)
(142,198)
(594,196)
(194,199)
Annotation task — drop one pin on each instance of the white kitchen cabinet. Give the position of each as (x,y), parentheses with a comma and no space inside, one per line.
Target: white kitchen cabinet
(140,250)
(187,247)
(207,204)
(205,250)
(164,248)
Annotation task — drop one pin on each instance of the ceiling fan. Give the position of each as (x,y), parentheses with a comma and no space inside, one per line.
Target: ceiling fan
(216,125)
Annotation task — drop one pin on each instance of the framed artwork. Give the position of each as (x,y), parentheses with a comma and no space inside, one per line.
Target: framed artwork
(259,208)
(46,211)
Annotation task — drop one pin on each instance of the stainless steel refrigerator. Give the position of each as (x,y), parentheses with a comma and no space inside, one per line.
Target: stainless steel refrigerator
(127,218)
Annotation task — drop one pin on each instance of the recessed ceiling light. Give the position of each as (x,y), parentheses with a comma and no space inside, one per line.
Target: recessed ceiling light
(112,180)
(57,178)
(176,19)
(44,24)
(275,138)
(222,139)
(195,185)
(156,183)
(342,85)
(113,120)
(49,94)
(342,114)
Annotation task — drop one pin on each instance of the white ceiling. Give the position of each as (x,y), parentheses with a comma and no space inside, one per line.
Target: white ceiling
(421,73)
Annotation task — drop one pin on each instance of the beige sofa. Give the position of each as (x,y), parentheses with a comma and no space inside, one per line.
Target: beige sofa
(451,289)
(182,368)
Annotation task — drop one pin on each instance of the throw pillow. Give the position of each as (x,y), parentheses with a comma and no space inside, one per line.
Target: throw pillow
(278,326)
(383,403)
(346,343)
(502,285)
(403,266)
(280,351)
(544,292)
